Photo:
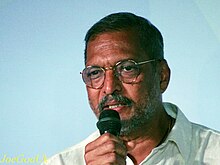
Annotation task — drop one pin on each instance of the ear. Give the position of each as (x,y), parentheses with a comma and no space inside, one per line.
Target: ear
(164,75)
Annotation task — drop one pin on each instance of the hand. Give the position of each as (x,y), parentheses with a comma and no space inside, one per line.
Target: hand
(106,149)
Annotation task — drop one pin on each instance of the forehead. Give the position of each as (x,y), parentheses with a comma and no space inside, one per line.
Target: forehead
(109,48)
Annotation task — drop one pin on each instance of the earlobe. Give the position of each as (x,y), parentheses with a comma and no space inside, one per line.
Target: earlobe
(164,75)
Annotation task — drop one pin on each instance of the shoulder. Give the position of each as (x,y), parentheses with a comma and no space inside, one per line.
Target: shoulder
(206,144)
(205,135)
(72,155)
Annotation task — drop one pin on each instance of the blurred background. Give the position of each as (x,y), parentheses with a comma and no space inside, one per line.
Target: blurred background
(43,101)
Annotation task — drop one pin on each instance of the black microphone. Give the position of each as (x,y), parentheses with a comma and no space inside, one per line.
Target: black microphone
(109,121)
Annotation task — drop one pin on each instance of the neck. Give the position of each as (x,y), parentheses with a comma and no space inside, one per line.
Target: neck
(142,142)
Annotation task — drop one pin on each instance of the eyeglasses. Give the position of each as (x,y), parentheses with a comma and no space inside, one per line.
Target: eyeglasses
(126,70)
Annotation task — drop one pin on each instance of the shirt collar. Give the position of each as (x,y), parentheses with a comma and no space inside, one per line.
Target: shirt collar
(181,133)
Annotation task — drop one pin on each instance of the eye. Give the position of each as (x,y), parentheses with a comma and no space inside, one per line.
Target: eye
(128,68)
(94,73)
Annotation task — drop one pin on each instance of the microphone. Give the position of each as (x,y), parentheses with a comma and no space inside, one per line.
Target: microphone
(109,121)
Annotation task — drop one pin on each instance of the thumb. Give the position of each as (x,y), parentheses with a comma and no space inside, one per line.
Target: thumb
(129,145)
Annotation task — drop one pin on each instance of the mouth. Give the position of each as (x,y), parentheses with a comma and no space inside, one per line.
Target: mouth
(115,102)
(116,106)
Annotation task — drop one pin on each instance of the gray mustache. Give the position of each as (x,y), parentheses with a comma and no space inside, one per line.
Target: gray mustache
(116,97)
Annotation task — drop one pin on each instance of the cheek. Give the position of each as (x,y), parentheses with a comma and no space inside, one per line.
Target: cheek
(137,92)
(140,90)
(143,92)
(93,97)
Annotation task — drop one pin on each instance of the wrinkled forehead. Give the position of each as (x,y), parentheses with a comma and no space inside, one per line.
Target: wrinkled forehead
(114,47)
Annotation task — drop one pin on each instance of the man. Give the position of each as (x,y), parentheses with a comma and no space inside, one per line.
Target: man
(126,72)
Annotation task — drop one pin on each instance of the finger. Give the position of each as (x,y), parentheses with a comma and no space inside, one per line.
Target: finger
(109,146)
(106,148)
(110,158)
(129,145)
(101,140)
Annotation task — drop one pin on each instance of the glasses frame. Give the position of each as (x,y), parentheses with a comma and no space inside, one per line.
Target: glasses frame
(114,68)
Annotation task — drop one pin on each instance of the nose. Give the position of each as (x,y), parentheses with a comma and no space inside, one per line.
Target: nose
(111,83)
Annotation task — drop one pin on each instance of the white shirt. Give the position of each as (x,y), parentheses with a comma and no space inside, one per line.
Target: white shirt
(187,144)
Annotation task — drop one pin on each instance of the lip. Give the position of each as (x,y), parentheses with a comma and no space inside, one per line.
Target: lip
(117,106)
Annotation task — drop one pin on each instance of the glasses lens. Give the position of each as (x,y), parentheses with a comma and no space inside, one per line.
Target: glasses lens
(93,76)
(127,71)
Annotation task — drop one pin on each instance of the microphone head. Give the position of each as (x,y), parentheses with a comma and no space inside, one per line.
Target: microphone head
(109,121)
